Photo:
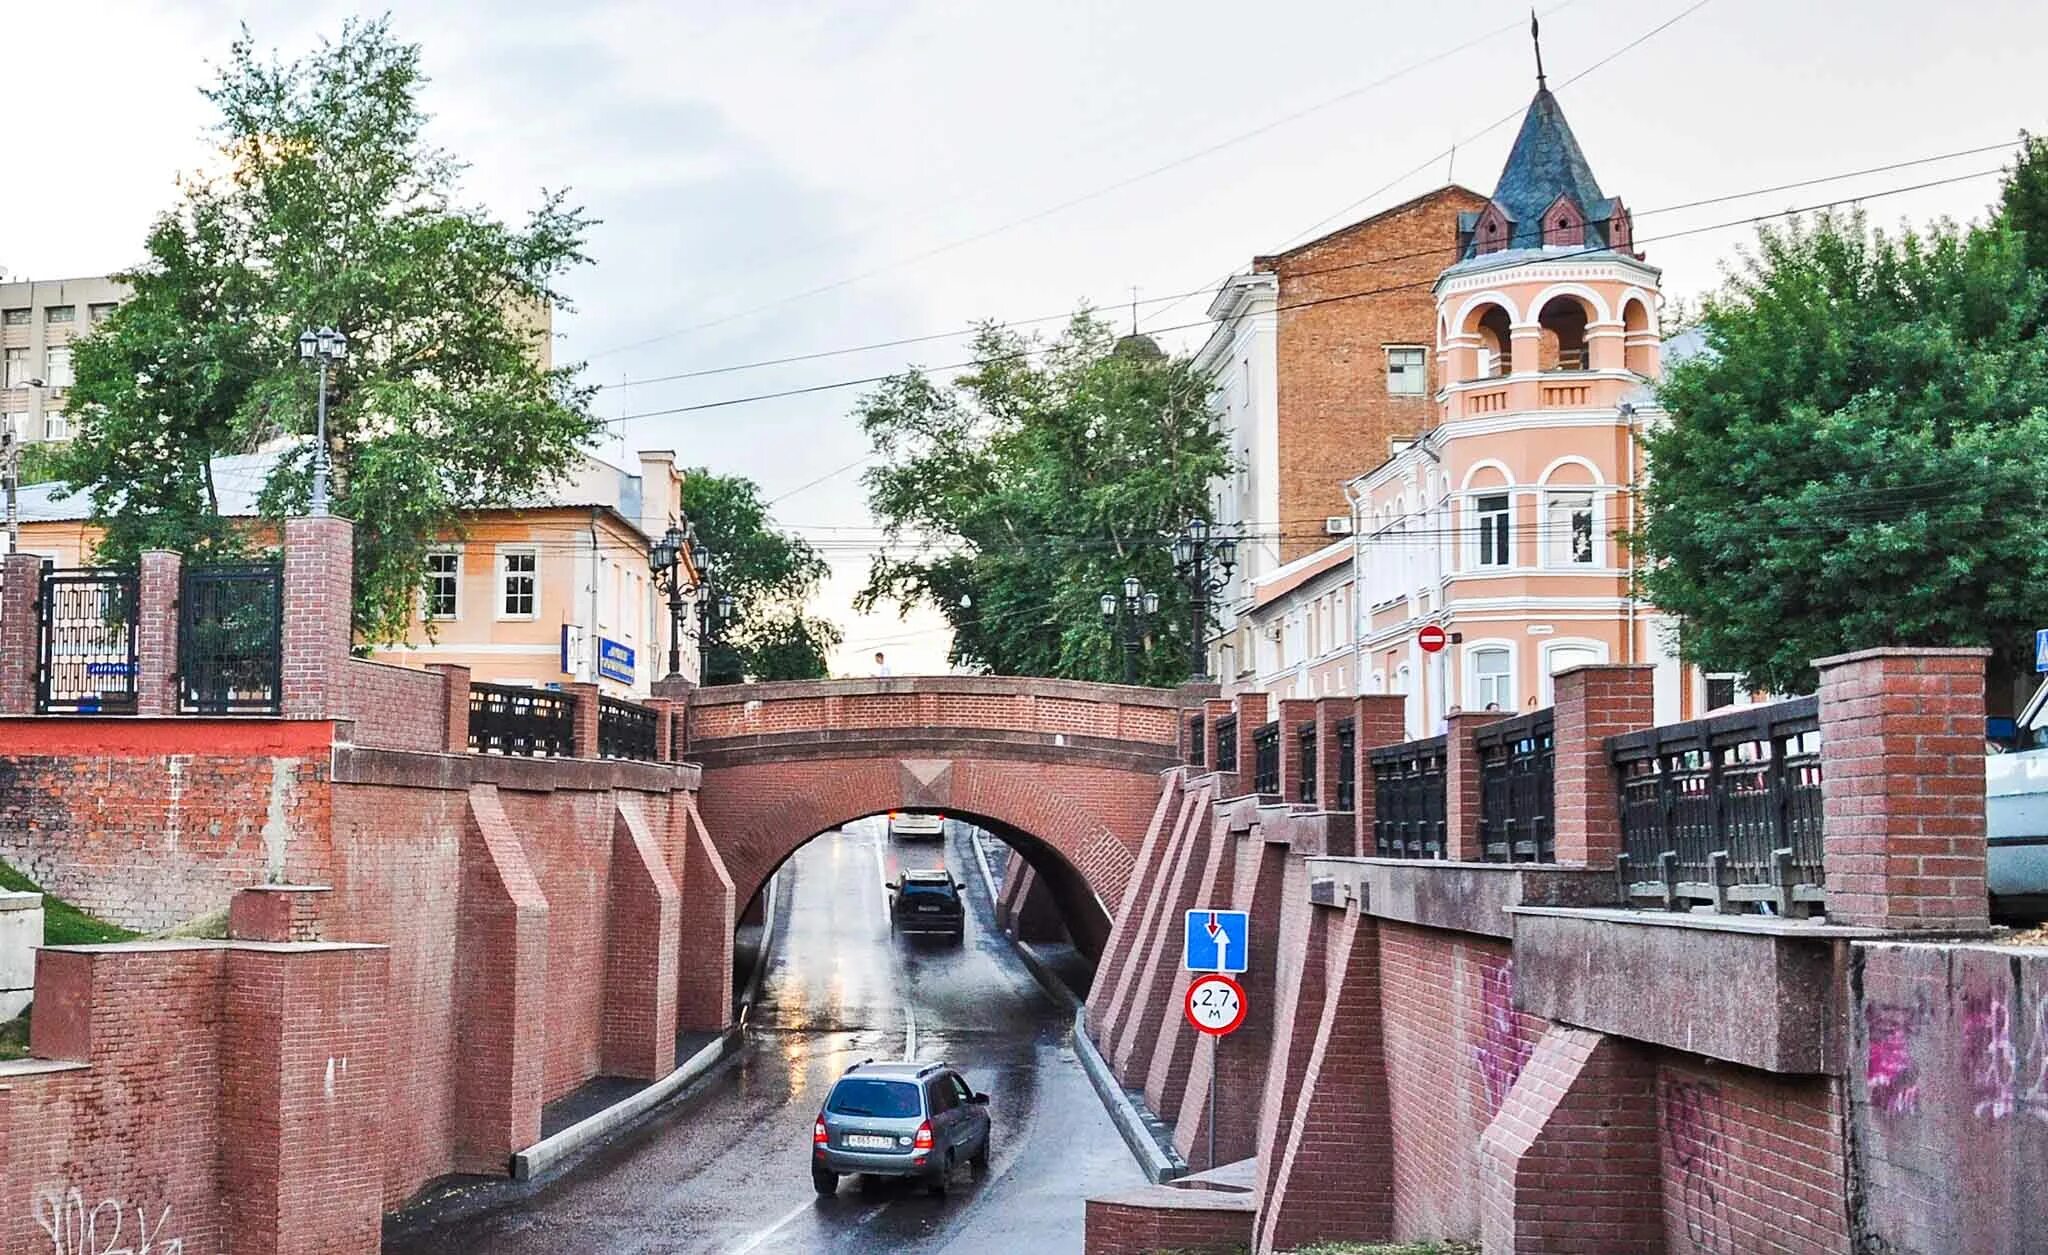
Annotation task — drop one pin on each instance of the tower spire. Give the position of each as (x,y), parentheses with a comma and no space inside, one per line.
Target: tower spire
(1536,38)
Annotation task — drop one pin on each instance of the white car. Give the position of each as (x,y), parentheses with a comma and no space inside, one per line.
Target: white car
(916,824)
(2016,819)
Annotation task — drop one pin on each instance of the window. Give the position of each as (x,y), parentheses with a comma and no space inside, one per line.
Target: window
(100,312)
(1406,375)
(519,569)
(444,585)
(1493,530)
(861,1096)
(1720,691)
(17,367)
(1558,658)
(55,427)
(1492,681)
(14,318)
(59,313)
(1568,528)
(60,375)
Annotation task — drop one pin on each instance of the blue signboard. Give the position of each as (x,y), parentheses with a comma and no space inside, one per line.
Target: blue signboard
(2041,649)
(614,661)
(109,668)
(1216,940)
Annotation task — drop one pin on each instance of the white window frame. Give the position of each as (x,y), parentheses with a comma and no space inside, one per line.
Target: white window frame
(1548,532)
(58,370)
(1474,698)
(427,594)
(1547,682)
(14,362)
(1479,533)
(50,318)
(1421,369)
(504,575)
(56,426)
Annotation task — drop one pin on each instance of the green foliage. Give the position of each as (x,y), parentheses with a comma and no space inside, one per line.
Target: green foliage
(39,463)
(1024,490)
(768,574)
(333,211)
(1861,458)
(2023,201)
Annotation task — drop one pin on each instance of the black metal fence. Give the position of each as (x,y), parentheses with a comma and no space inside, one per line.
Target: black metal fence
(1226,742)
(1195,754)
(1266,759)
(1517,788)
(1724,810)
(1347,765)
(1408,799)
(230,644)
(86,662)
(505,719)
(1305,738)
(625,729)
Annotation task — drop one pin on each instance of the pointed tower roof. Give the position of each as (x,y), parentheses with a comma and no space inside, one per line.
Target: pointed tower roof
(1544,164)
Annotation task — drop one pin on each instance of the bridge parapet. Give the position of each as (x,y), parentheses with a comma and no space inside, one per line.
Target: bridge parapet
(1000,705)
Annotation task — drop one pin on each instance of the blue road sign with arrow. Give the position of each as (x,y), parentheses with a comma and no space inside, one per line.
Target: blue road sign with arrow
(1216,940)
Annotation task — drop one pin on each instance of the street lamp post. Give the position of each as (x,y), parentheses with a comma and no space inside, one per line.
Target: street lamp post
(1194,551)
(10,463)
(325,345)
(1130,612)
(665,559)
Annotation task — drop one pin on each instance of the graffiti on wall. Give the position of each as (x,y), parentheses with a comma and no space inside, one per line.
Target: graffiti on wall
(2004,1078)
(103,1228)
(1501,1052)
(1893,1075)
(1696,1152)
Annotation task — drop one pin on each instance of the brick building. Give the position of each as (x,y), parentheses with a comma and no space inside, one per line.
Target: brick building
(1322,356)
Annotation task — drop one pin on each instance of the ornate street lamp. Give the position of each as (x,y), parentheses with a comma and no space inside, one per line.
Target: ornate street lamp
(1204,557)
(1130,613)
(324,345)
(665,559)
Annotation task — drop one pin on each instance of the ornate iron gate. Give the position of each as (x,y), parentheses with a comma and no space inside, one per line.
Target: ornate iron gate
(87,661)
(229,646)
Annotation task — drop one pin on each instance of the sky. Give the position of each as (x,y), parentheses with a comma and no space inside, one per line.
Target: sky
(778,179)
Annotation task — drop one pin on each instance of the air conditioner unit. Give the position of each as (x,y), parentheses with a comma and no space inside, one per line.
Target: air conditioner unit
(1337,525)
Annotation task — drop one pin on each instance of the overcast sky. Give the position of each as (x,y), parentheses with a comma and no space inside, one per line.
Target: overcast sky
(916,162)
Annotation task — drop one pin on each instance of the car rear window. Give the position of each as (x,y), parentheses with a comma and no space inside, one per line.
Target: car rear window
(936,889)
(858,1096)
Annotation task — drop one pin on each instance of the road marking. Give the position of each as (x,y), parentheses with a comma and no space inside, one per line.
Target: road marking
(763,1235)
(882,878)
(909,1031)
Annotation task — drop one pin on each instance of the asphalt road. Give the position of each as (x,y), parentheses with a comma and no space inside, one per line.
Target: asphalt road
(726,1169)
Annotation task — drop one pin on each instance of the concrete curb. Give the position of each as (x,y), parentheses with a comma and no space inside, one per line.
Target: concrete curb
(1150,1140)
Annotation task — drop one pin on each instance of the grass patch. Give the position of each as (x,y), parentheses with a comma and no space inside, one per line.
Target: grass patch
(14,1037)
(63,923)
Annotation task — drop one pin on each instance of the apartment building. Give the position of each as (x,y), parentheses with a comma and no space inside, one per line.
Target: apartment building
(39,320)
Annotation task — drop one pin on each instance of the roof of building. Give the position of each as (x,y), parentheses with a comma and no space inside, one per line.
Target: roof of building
(1270,588)
(1266,261)
(1544,164)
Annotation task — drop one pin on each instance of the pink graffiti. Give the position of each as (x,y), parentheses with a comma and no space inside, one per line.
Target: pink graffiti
(1893,1076)
(1501,1052)
(1698,1154)
(1988,1054)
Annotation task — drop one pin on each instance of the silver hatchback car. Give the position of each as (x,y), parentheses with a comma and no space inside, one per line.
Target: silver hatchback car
(899,1120)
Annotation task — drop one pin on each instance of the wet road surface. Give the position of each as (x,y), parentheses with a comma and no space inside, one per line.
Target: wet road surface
(726,1169)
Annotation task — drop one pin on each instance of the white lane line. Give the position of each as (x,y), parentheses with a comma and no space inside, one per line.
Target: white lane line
(882,879)
(909,1031)
(762,1235)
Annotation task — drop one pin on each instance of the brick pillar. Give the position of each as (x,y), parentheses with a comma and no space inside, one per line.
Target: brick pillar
(1251,716)
(1593,703)
(664,729)
(1570,1162)
(1461,783)
(455,698)
(1378,719)
(156,632)
(21,577)
(643,946)
(1293,713)
(583,700)
(1902,788)
(319,585)
(501,961)
(278,912)
(1329,710)
(709,906)
(303,1059)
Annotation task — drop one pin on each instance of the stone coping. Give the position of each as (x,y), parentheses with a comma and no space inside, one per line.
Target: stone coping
(38,1067)
(428,769)
(1173,1198)
(1760,925)
(1040,747)
(1455,896)
(1904,651)
(970,685)
(179,946)
(267,888)
(20,900)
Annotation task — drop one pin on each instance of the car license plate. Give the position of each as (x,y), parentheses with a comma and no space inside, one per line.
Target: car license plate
(929,910)
(868,1141)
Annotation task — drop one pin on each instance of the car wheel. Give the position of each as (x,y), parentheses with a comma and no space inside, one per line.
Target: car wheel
(980,1160)
(943,1183)
(826,1183)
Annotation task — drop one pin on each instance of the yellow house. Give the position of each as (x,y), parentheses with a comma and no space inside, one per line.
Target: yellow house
(550,591)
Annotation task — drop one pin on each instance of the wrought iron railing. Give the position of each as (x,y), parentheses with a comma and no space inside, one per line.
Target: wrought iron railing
(1305,745)
(1347,765)
(625,729)
(1226,743)
(86,661)
(1725,810)
(506,719)
(1517,788)
(1408,799)
(1195,754)
(1266,759)
(230,643)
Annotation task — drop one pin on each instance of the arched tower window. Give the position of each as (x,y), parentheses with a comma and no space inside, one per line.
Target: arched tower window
(1641,348)
(1563,320)
(1496,341)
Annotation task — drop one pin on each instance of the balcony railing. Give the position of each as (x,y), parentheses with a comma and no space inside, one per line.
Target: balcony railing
(1347,765)
(1724,811)
(625,729)
(505,719)
(1305,745)
(1408,799)
(1226,743)
(1266,759)
(1517,788)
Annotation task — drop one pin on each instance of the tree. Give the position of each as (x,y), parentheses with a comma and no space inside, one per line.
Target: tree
(1015,496)
(768,574)
(1861,456)
(333,211)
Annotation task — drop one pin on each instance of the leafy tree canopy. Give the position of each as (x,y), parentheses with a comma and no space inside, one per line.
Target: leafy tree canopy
(1018,494)
(1861,457)
(768,574)
(332,210)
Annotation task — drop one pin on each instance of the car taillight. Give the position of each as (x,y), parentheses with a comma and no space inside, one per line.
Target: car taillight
(818,1133)
(923,1140)
(892,816)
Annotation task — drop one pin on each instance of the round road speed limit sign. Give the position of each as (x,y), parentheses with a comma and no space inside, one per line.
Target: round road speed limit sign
(1215,1004)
